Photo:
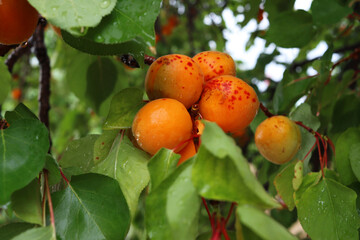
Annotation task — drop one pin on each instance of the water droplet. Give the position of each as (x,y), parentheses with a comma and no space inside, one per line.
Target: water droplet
(79,18)
(37,137)
(54,9)
(24,44)
(100,39)
(105,4)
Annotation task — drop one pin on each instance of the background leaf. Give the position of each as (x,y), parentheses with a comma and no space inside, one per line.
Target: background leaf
(173,207)
(354,156)
(5,78)
(326,12)
(100,207)
(23,148)
(327,210)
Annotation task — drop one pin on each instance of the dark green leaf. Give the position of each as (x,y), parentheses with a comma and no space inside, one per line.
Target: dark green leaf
(161,165)
(327,210)
(26,203)
(220,163)
(284,186)
(354,156)
(53,170)
(20,112)
(291,29)
(275,7)
(72,15)
(101,79)
(172,209)
(23,148)
(123,108)
(5,79)
(78,156)
(103,145)
(41,233)
(263,225)
(342,158)
(92,207)
(128,165)
(328,12)
(346,113)
(8,231)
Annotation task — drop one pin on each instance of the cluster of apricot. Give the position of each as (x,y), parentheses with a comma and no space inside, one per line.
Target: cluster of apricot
(176,85)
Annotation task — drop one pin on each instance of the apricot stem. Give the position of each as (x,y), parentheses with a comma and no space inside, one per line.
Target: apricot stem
(51,210)
(230,212)
(266,111)
(209,214)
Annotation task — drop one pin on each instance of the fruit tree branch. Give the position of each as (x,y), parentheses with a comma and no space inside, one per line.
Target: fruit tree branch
(19,51)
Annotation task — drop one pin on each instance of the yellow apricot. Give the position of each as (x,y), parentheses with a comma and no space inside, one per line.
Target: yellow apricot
(214,64)
(162,123)
(175,76)
(278,139)
(230,102)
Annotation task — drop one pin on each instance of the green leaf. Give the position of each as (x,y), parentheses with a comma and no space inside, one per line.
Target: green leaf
(5,79)
(327,210)
(128,165)
(101,79)
(23,148)
(346,113)
(41,233)
(92,207)
(103,145)
(342,157)
(172,209)
(78,156)
(284,186)
(161,165)
(20,112)
(298,175)
(303,114)
(219,162)
(8,231)
(309,180)
(75,14)
(291,29)
(263,225)
(327,12)
(275,7)
(26,203)
(123,108)
(53,170)
(354,156)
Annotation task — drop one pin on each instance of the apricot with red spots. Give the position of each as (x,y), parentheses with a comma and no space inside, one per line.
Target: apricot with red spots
(174,76)
(214,64)
(230,102)
(278,139)
(162,123)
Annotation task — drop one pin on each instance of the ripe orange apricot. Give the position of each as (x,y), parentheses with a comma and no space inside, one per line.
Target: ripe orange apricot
(174,76)
(162,123)
(278,139)
(230,102)
(187,152)
(18,20)
(214,64)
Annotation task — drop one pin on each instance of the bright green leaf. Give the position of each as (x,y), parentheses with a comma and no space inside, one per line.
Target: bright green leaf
(328,12)
(23,148)
(172,209)
(309,180)
(291,29)
(161,165)
(128,165)
(327,210)
(123,108)
(263,225)
(342,158)
(220,163)
(91,207)
(75,14)
(26,203)
(284,186)
(41,233)
(354,156)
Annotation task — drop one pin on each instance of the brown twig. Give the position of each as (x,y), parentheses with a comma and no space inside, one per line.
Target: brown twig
(266,111)
(18,53)
(4,49)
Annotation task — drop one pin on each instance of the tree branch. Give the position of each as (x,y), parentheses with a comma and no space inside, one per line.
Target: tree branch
(19,51)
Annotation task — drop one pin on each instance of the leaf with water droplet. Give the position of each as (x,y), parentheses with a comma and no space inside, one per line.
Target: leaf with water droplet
(327,210)
(284,187)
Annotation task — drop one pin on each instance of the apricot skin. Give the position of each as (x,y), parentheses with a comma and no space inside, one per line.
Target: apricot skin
(230,102)
(162,123)
(278,139)
(187,152)
(214,64)
(174,76)
(18,20)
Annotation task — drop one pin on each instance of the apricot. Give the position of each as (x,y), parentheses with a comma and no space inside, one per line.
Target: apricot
(18,20)
(230,102)
(187,152)
(162,123)
(278,139)
(214,64)
(174,76)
